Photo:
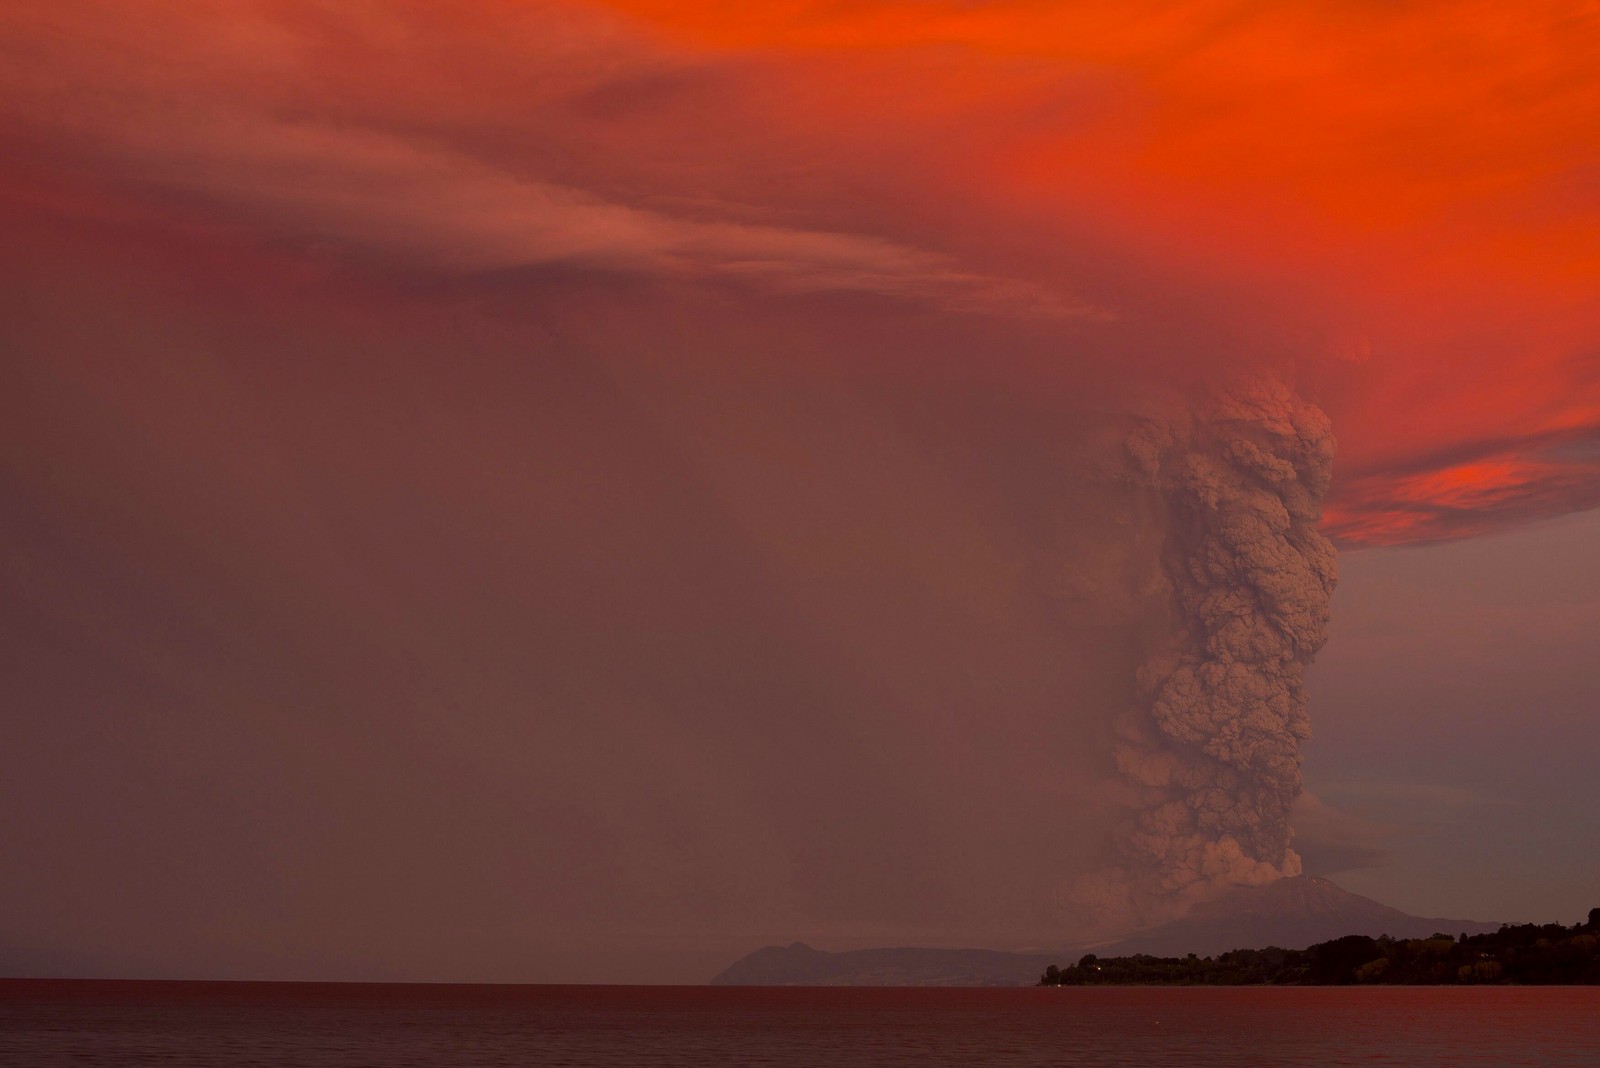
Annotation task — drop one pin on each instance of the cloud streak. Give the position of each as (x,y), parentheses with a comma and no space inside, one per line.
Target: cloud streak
(193,141)
(1424,190)
(1473,489)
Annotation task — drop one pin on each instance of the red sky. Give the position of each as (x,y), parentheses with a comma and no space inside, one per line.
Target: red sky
(1413,186)
(421,414)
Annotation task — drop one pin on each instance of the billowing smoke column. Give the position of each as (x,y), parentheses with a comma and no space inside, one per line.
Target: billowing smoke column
(1212,742)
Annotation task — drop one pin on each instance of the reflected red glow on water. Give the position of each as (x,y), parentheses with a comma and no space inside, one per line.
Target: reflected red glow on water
(47,1023)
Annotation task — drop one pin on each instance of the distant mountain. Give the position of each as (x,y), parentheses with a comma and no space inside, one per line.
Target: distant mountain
(800,965)
(1292,913)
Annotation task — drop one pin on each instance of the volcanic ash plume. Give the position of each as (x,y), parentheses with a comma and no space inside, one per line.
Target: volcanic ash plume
(1212,743)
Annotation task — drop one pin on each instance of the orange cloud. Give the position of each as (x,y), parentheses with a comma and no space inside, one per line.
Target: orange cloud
(1419,177)
(1521,480)
(1425,174)
(235,125)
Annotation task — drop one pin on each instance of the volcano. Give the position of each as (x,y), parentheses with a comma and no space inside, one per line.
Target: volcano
(1292,913)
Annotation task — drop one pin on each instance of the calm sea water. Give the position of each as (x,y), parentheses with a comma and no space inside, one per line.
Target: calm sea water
(311,1026)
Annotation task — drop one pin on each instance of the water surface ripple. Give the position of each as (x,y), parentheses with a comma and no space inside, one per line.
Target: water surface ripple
(290,1025)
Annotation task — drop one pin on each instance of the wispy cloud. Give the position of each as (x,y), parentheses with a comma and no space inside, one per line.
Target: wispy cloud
(1469,490)
(363,185)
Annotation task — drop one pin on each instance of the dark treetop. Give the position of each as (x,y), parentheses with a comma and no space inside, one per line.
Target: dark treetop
(1525,953)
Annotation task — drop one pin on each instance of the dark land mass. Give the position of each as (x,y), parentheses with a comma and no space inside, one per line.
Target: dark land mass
(1295,913)
(1521,954)
(800,965)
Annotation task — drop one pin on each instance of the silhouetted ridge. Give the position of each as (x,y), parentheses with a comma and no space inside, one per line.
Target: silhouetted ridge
(799,965)
(1290,913)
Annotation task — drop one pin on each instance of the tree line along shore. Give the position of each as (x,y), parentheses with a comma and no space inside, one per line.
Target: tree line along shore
(1515,954)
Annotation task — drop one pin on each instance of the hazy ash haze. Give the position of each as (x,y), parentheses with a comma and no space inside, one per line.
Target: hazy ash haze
(522,491)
